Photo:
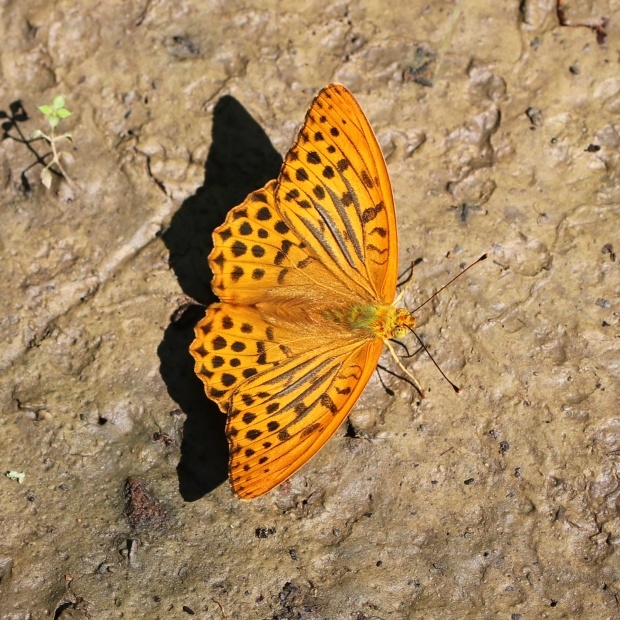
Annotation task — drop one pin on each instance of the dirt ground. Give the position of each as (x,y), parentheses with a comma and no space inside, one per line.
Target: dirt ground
(500,122)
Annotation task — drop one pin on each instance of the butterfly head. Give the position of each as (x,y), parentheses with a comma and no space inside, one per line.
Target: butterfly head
(390,322)
(403,323)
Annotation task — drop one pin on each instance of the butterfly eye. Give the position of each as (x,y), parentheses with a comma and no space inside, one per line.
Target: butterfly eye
(400,331)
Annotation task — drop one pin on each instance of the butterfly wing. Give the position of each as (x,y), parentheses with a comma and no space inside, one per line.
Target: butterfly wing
(285,393)
(258,259)
(335,193)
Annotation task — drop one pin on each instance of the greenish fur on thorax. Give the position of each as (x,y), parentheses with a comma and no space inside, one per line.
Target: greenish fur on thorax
(358,316)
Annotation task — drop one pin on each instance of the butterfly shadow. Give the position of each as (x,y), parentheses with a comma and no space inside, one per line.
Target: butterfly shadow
(241,159)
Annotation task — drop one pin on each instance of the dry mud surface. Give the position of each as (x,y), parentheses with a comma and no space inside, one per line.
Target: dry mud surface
(500,123)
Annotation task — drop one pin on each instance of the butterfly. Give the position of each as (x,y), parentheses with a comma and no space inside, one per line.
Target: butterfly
(306,271)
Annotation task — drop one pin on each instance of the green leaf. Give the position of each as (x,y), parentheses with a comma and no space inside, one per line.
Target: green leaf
(53,121)
(46,109)
(59,102)
(63,113)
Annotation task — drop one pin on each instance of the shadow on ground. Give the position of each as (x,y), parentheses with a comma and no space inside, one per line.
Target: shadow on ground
(241,159)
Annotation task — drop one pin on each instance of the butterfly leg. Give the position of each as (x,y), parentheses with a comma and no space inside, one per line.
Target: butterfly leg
(417,386)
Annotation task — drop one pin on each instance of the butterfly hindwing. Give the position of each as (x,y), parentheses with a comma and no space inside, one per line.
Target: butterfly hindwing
(232,344)
(258,259)
(280,431)
(284,393)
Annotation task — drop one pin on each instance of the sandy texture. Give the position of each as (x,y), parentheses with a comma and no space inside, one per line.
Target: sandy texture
(500,124)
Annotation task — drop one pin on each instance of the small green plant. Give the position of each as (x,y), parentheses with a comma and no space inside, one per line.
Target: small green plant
(54,114)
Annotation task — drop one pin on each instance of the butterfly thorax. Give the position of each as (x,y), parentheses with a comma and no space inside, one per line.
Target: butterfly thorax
(381,320)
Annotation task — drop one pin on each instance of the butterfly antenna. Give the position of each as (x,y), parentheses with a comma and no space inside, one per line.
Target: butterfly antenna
(483,257)
(455,387)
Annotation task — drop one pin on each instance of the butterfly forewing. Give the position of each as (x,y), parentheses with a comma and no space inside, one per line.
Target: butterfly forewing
(335,192)
(258,258)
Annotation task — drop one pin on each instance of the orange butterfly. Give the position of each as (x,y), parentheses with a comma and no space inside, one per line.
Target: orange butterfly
(306,272)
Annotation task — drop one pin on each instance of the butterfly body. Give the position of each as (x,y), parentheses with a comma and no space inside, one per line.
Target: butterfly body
(377,320)
(305,270)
